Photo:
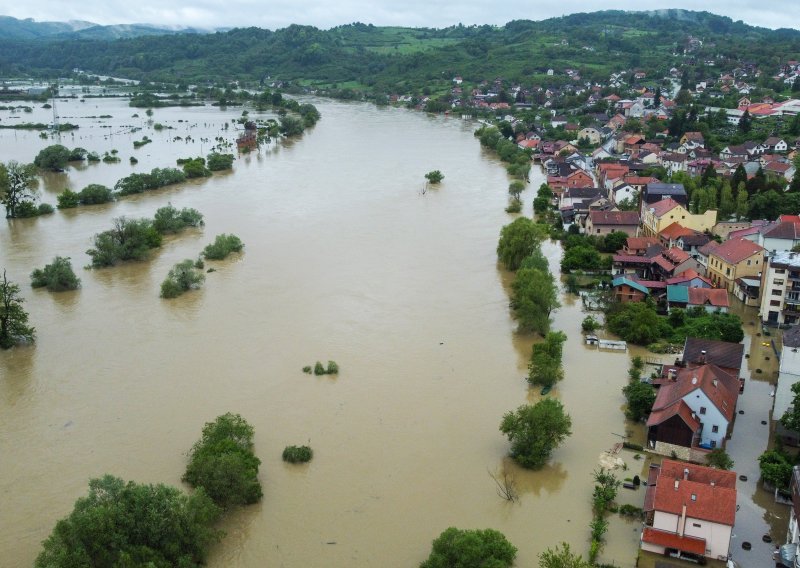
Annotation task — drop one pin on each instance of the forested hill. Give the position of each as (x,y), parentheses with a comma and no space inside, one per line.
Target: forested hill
(395,59)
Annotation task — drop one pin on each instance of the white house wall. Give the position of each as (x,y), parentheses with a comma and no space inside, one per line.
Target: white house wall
(712,417)
(789,375)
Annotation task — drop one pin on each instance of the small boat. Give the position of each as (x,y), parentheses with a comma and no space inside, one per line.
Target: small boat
(546,389)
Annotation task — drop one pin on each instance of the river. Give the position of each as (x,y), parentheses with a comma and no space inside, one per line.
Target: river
(346,259)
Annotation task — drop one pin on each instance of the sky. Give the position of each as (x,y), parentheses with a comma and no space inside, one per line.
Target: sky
(324,14)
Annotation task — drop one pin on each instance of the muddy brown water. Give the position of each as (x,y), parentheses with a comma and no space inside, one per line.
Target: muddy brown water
(346,259)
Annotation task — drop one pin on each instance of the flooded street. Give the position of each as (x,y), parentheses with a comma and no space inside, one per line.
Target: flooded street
(345,259)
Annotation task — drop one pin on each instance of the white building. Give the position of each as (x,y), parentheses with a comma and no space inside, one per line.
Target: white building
(690,510)
(789,372)
(780,289)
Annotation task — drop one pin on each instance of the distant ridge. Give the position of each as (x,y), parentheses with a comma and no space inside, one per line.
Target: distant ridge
(29,29)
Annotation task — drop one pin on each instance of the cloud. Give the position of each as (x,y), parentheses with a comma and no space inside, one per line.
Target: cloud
(325,14)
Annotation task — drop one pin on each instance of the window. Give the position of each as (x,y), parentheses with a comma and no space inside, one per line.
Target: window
(780,271)
(702,410)
(598,231)
(694,497)
(774,302)
(727,272)
(778,282)
(697,525)
(748,262)
(777,292)
(715,429)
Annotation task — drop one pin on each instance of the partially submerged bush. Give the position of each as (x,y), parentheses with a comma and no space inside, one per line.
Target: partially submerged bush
(68,199)
(319,369)
(297,454)
(171,220)
(222,246)
(129,239)
(217,162)
(223,464)
(95,193)
(181,278)
(57,276)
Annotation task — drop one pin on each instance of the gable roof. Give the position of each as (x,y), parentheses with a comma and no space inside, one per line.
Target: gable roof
(640,242)
(783,230)
(716,297)
(622,281)
(720,353)
(735,251)
(666,189)
(681,410)
(721,388)
(675,230)
(661,208)
(708,494)
(624,218)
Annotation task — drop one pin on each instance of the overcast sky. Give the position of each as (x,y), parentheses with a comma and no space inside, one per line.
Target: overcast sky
(324,14)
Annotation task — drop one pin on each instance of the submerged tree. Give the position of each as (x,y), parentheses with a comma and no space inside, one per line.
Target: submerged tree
(14,326)
(535,431)
(471,548)
(17,184)
(57,276)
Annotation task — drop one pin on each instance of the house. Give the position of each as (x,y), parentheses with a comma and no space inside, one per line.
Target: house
(693,140)
(748,291)
(789,373)
(624,192)
(605,222)
(780,285)
(670,235)
(788,555)
(689,510)
(694,408)
(710,299)
(735,258)
(775,144)
(659,215)
(691,243)
(628,290)
(591,134)
(725,355)
(637,246)
(655,192)
(779,236)
(690,279)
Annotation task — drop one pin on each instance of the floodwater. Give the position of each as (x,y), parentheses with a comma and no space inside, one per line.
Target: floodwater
(346,259)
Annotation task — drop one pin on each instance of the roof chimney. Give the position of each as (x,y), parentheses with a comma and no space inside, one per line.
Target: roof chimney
(685,473)
(703,356)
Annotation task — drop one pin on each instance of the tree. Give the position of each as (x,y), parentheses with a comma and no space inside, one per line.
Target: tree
(68,199)
(545,365)
(57,276)
(791,418)
(534,297)
(223,464)
(14,326)
(129,239)
(515,188)
(168,219)
(776,468)
(739,176)
(217,162)
(130,524)
(53,158)
(182,277)
(562,557)
(477,548)
(636,322)
(434,177)
(657,97)
(519,239)
(222,246)
(17,183)
(614,241)
(535,431)
(720,459)
(641,397)
(745,123)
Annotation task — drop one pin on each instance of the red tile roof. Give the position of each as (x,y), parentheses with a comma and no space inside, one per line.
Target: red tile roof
(716,297)
(675,230)
(686,276)
(715,503)
(624,218)
(721,388)
(681,409)
(736,250)
(661,208)
(723,354)
(676,255)
(631,258)
(783,230)
(671,540)
(663,263)
(640,242)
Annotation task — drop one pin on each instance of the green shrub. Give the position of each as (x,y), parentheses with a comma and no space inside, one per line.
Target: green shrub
(297,454)
(434,176)
(470,548)
(92,157)
(57,276)
(129,239)
(95,193)
(194,167)
(514,207)
(168,219)
(632,446)
(333,368)
(181,278)
(217,162)
(68,199)
(319,369)
(222,246)
(223,464)
(307,369)
(45,209)
(589,324)
(630,511)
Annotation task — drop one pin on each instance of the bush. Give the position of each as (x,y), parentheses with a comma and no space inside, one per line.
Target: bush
(297,454)
(94,194)
(181,278)
(333,368)
(68,199)
(514,207)
(434,177)
(222,246)
(57,276)
(471,548)
(195,168)
(130,524)
(168,219)
(53,158)
(307,369)
(632,446)
(319,369)
(129,239)
(589,324)
(45,209)
(535,431)
(223,464)
(630,511)
(217,162)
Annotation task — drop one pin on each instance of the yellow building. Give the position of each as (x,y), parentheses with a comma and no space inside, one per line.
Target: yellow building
(736,258)
(659,215)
